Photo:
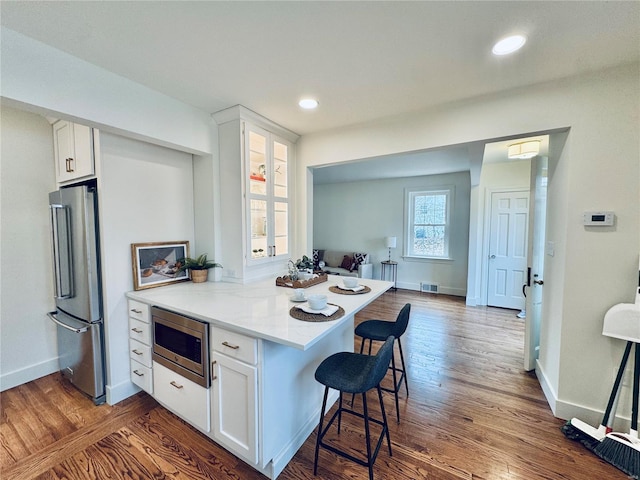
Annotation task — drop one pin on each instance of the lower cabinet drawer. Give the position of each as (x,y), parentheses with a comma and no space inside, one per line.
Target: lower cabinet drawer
(140,352)
(142,376)
(234,345)
(183,397)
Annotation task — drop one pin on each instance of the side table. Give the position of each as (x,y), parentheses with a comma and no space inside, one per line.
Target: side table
(390,269)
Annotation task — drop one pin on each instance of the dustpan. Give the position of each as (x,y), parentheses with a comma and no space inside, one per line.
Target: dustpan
(623,320)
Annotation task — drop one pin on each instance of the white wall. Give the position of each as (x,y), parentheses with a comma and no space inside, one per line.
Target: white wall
(45,80)
(357,216)
(145,195)
(598,168)
(28,348)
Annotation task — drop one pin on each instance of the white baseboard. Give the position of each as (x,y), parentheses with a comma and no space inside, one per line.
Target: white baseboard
(117,393)
(27,374)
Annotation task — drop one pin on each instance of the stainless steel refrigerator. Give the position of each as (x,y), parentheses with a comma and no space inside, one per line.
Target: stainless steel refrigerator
(76,272)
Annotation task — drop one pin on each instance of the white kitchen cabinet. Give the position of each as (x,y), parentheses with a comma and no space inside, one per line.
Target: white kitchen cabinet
(234,391)
(73,150)
(140,351)
(258,209)
(185,398)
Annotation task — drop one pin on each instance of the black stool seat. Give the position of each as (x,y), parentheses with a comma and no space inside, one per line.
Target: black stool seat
(354,373)
(379,330)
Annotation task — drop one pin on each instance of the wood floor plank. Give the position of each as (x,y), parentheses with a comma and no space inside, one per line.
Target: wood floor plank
(472,414)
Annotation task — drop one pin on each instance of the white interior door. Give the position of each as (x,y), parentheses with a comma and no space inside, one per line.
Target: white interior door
(508,249)
(537,229)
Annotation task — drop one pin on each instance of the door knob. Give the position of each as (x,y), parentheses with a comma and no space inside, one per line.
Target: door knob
(539,282)
(492,256)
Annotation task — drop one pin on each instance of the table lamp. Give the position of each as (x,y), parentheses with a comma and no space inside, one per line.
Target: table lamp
(391,243)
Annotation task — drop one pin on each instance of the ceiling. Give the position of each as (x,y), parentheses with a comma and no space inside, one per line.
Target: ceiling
(362,60)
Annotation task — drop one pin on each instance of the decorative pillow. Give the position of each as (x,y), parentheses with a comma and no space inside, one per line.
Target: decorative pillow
(316,258)
(360,258)
(347,261)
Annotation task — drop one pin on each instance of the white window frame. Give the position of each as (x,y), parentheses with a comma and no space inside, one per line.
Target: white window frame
(410,195)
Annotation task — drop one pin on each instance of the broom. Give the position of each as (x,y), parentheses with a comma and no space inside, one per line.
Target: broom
(620,449)
(590,437)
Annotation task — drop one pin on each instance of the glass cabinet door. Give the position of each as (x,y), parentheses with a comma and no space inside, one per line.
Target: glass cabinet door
(267,194)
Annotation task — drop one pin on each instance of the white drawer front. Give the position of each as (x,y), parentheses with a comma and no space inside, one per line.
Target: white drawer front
(140,331)
(139,311)
(234,345)
(140,352)
(184,397)
(142,376)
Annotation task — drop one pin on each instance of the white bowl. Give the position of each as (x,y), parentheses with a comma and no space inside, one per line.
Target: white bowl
(350,282)
(317,302)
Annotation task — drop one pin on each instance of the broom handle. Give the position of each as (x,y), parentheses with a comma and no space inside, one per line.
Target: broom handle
(616,384)
(636,390)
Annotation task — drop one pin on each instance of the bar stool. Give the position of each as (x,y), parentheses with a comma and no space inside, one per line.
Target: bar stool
(379,330)
(354,373)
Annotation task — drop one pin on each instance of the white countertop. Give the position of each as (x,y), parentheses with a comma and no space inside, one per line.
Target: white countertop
(258,309)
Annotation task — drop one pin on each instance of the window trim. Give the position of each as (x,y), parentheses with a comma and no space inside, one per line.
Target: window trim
(410,194)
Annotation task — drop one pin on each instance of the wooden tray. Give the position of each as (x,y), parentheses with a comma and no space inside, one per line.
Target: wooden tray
(287,282)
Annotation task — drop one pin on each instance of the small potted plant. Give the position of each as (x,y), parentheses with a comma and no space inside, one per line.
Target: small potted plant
(199,267)
(305,264)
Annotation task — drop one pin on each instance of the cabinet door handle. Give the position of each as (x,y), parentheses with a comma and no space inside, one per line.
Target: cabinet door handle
(69,168)
(136,311)
(137,330)
(136,352)
(274,251)
(176,385)
(213,369)
(227,344)
(138,373)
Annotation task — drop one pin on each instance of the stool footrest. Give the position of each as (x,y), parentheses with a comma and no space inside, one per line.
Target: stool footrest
(344,454)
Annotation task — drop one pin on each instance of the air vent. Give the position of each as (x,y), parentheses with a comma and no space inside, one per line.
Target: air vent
(429,287)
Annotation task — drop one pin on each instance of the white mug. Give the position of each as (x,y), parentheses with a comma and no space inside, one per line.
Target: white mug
(298,293)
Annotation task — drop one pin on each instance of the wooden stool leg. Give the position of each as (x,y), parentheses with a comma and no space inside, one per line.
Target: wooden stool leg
(319,437)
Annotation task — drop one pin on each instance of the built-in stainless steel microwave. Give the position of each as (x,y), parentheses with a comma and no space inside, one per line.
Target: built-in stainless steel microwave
(181,344)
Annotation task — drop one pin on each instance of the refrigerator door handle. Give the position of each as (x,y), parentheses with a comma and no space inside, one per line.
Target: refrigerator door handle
(58,251)
(52,316)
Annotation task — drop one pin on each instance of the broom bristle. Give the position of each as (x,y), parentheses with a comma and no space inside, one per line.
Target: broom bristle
(573,433)
(621,453)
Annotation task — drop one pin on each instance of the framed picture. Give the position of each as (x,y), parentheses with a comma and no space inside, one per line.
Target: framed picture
(156,264)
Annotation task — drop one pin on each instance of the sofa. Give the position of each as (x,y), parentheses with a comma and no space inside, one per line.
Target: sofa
(349,264)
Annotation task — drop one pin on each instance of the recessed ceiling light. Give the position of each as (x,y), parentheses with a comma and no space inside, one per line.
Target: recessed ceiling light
(509,45)
(308,103)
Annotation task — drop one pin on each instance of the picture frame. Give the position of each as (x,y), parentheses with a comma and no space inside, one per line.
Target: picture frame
(155,264)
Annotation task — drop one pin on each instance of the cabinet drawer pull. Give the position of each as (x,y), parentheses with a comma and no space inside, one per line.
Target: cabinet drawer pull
(227,344)
(138,373)
(136,311)
(213,376)
(176,385)
(137,352)
(137,330)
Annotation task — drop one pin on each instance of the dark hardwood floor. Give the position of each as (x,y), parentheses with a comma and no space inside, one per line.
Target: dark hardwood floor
(472,413)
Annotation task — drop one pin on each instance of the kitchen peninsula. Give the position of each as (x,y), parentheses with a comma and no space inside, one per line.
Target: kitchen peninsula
(263,401)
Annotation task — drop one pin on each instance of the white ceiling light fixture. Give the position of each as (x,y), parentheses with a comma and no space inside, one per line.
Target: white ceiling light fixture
(308,103)
(524,150)
(509,45)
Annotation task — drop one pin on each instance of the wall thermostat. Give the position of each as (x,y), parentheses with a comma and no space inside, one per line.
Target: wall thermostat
(598,219)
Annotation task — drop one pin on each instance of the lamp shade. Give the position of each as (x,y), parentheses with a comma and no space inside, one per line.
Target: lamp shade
(391,242)
(524,150)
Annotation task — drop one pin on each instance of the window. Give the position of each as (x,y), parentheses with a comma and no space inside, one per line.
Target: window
(428,223)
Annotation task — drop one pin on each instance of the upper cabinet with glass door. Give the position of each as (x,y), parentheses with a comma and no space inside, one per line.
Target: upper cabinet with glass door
(256,168)
(268,194)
